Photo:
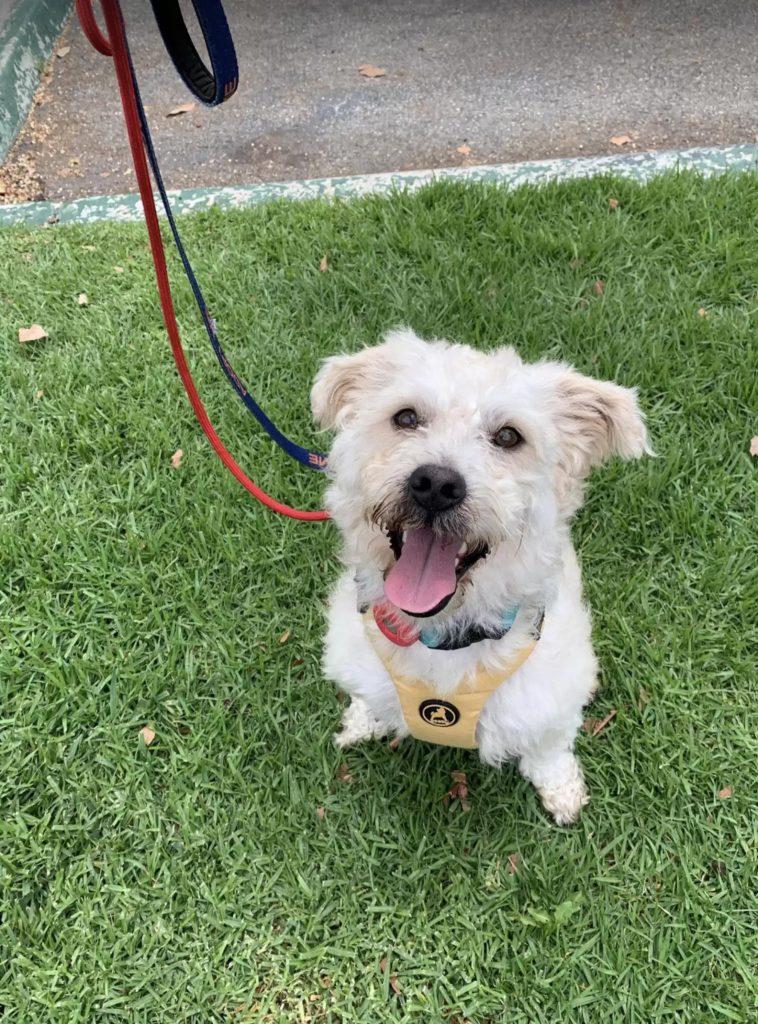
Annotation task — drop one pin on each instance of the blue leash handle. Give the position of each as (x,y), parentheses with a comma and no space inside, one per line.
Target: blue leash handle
(210,87)
(224,63)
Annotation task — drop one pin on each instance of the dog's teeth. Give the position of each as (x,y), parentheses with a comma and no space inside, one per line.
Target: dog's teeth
(462,549)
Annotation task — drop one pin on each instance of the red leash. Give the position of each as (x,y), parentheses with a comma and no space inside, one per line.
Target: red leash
(115,46)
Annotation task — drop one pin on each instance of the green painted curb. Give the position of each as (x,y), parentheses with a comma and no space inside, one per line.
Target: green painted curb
(26,42)
(638,166)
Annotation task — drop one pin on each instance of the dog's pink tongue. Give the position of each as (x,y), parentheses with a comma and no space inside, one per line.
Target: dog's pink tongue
(424,574)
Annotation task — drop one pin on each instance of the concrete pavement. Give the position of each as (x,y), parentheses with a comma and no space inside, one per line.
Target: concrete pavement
(509,79)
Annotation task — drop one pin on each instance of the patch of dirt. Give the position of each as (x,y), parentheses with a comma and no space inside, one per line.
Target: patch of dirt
(19,180)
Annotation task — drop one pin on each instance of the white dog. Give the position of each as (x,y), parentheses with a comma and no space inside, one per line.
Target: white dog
(460,617)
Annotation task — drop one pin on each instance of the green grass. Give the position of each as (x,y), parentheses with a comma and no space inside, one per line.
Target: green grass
(194,880)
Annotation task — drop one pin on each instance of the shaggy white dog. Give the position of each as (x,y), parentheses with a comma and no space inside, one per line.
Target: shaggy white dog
(460,617)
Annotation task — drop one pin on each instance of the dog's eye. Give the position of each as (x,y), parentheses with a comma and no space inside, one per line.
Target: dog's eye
(507,437)
(406,419)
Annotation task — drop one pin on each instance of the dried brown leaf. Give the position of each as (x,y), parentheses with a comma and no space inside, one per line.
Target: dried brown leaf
(594,726)
(284,637)
(725,793)
(371,71)
(39,394)
(464,150)
(89,248)
(181,108)
(176,458)
(613,204)
(320,813)
(604,721)
(598,287)
(643,700)
(147,735)
(703,312)
(383,965)
(754,445)
(343,773)
(620,140)
(34,333)
(119,270)
(395,985)
(323,264)
(83,300)
(514,859)
(465,806)
(459,777)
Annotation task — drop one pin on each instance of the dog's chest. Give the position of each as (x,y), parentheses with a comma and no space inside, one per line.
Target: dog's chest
(442,693)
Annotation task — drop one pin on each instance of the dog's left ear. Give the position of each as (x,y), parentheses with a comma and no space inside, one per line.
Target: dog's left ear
(340,382)
(595,419)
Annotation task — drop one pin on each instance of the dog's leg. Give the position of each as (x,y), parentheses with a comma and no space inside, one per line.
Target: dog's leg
(351,661)
(557,777)
(359,724)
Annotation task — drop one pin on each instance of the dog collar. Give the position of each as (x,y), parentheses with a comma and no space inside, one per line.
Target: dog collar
(403,635)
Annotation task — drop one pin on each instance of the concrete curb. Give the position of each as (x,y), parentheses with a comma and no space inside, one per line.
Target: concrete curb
(26,42)
(637,166)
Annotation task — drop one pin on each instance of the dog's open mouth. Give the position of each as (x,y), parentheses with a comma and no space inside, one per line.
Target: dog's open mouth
(427,569)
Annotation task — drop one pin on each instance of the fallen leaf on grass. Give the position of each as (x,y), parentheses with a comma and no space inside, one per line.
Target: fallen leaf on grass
(754,445)
(613,204)
(34,333)
(598,287)
(39,394)
(83,300)
(464,150)
(176,458)
(371,71)
(181,108)
(343,773)
(394,983)
(119,270)
(89,248)
(703,312)
(620,140)
(284,637)
(594,726)
(323,264)
(147,736)
(725,793)
(514,859)
(63,52)
(458,791)
(643,699)
(297,662)
(321,813)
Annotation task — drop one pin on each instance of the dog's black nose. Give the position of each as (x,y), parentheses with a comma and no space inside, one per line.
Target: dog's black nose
(437,488)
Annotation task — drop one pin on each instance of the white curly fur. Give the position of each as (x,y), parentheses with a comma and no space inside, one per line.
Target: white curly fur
(519,502)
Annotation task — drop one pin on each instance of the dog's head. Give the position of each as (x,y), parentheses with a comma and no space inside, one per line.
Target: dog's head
(446,456)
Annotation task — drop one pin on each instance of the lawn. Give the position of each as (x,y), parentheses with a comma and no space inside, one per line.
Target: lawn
(234,870)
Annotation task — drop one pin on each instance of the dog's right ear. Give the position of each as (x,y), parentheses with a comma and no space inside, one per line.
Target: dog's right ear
(339,384)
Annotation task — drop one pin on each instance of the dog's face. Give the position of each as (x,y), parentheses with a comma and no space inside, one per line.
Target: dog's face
(444,455)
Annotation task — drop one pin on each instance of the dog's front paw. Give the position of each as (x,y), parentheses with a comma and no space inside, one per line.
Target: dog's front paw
(359,724)
(558,779)
(565,802)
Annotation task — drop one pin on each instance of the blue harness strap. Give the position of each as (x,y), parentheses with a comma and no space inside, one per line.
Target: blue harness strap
(211,89)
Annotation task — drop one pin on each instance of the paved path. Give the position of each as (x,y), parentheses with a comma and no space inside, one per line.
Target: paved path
(510,79)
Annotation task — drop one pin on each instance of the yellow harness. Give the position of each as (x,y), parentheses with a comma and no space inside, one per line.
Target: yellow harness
(451,720)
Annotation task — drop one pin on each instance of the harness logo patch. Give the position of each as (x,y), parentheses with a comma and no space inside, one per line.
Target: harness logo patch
(439,713)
